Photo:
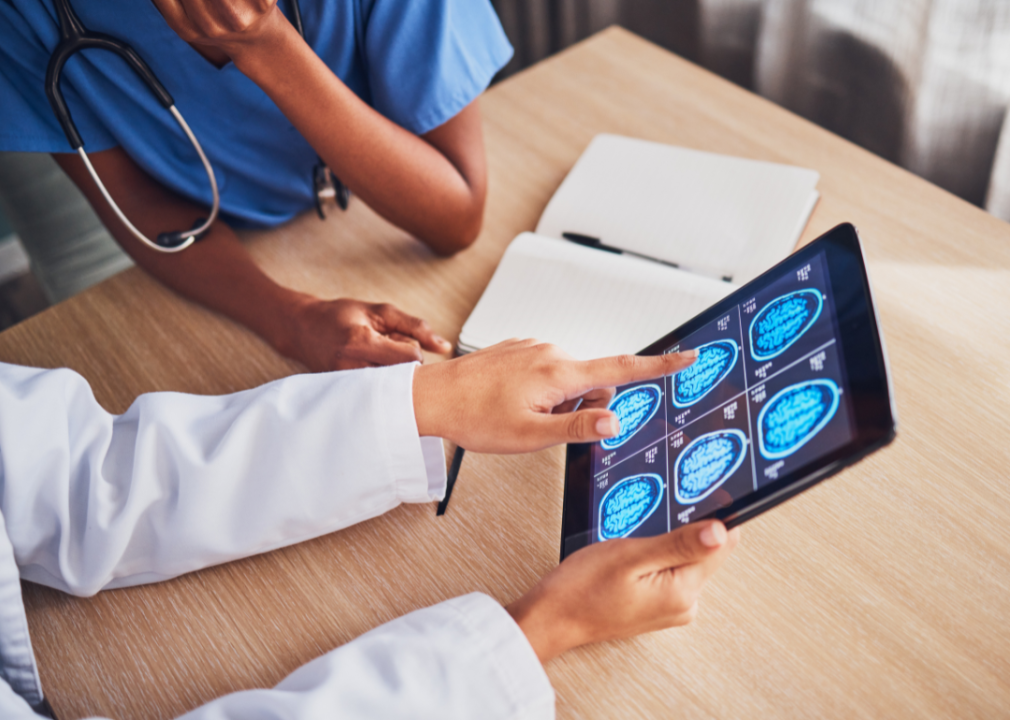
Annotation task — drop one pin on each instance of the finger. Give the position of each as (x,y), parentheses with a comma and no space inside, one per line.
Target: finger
(688,545)
(511,343)
(581,426)
(624,369)
(697,574)
(176,17)
(598,398)
(382,350)
(395,320)
(214,19)
(567,406)
(400,337)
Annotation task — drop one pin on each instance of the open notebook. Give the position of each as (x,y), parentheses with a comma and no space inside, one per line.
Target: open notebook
(691,225)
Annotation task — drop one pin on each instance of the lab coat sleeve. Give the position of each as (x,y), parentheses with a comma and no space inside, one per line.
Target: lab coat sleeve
(181,482)
(464,658)
(13,706)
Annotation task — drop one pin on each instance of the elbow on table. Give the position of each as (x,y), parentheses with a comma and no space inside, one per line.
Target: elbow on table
(457,236)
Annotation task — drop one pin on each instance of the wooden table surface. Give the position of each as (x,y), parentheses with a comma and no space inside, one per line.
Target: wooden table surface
(884,592)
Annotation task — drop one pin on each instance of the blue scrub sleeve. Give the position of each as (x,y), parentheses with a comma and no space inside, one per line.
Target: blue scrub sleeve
(429,59)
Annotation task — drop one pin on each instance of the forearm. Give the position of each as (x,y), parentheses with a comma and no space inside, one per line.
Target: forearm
(219,274)
(180,482)
(216,272)
(437,197)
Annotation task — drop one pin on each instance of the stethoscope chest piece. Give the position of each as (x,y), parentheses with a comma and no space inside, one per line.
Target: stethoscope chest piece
(328,189)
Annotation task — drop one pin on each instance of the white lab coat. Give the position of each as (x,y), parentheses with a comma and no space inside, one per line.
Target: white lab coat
(179,482)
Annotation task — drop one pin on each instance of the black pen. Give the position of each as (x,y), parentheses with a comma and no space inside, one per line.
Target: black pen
(450,479)
(597,244)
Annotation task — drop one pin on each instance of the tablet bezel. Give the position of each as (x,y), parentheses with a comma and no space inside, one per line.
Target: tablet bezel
(865,363)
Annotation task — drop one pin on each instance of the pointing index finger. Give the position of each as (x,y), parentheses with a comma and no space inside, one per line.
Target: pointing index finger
(624,369)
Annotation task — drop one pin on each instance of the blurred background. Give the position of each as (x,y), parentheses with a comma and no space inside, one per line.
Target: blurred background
(922,83)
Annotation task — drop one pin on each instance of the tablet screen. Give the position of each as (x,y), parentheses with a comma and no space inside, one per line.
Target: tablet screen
(768,394)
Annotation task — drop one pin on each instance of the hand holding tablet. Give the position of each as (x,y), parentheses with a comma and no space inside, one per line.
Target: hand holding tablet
(776,387)
(789,387)
(520,396)
(624,588)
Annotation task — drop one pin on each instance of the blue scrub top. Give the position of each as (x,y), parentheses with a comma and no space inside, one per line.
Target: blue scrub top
(418,62)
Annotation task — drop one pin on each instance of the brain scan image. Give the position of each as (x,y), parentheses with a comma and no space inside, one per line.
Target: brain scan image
(714,363)
(794,415)
(782,322)
(706,463)
(634,408)
(628,504)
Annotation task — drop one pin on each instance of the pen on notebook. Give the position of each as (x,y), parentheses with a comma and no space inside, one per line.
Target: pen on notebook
(597,244)
(450,479)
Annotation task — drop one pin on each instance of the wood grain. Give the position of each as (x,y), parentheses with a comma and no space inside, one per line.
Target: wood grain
(884,592)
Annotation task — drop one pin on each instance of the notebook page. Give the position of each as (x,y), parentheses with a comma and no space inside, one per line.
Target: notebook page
(591,303)
(713,214)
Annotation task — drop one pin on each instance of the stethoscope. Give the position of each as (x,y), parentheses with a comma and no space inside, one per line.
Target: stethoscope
(74,37)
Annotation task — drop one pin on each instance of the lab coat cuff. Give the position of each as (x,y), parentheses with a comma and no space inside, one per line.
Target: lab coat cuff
(508,654)
(416,464)
(434,466)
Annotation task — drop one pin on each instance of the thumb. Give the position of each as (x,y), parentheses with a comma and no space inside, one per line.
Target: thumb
(683,546)
(581,426)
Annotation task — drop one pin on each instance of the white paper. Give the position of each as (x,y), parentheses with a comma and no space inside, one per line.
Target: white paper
(712,214)
(590,303)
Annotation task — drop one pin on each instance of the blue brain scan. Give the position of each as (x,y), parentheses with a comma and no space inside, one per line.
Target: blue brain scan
(707,463)
(714,363)
(782,322)
(794,415)
(634,408)
(628,504)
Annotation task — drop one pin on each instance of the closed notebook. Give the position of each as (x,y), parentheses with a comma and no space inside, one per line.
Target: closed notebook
(692,226)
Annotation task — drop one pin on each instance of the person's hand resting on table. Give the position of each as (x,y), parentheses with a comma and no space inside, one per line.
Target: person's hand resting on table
(217,272)
(346,334)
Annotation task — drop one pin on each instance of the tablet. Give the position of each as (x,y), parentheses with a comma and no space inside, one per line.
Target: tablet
(790,386)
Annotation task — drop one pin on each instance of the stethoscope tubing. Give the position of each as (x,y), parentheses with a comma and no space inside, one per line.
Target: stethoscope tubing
(75,38)
(189,235)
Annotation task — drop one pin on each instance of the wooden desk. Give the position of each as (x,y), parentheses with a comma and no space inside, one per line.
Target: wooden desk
(884,592)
